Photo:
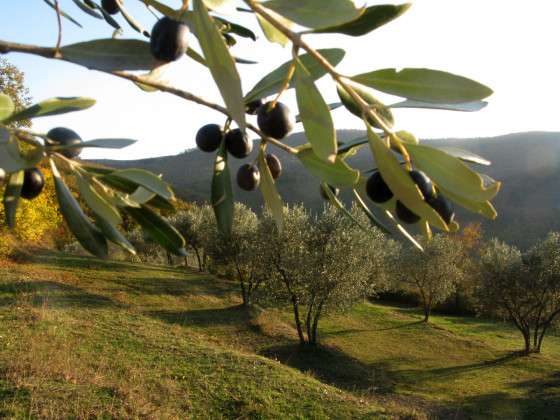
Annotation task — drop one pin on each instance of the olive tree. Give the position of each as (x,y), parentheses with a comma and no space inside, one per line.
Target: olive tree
(524,289)
(12,85)
(434,272)
(239,250)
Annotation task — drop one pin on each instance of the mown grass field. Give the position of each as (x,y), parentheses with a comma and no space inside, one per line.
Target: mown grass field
(82,338)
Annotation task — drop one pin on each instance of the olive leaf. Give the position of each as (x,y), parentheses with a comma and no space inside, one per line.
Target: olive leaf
(11,197)
(6,106)
(53,106)
(316,13)
(382,111)
(222,191)
(270,193)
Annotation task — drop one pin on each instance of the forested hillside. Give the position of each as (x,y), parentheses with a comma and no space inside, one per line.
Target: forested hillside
(527,165)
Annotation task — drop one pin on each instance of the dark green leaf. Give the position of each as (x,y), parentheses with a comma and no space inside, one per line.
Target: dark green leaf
(11,197)
(160,7)
(372,18)
(485,208)
(50,107)
(63,14)
(110,54)
(273,82)
(316,13)
(85,232)
(237,29)
(143,178)
(163,233)
(315,115)
(106,15)
(114,235)
(220,63)
(85,8)
(382,111)
(425,85)
(132,22)
(160,203)
(450,173)
(338,174)
(400,183)
(270,193)
(465,107)
(96,202)
(222,191)
(6,106)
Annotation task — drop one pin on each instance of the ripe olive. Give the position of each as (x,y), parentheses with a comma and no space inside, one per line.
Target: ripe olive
(111,6)
(209,137)
(252,107)
(274,165)
(238,143)
(248,177)
(443,206)
(405,215)
(169,39)
(2,177)
(377,189)
(64,136)
(33,183)
(277,122)
(323,193)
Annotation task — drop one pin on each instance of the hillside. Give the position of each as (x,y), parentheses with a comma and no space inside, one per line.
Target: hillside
(525,163)
(80,338)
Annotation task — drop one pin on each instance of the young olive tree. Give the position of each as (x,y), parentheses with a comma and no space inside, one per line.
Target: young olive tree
(522,288)
(392,186)
(433,272)
(239,250)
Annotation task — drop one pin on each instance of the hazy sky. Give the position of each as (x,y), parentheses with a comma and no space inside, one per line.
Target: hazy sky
(508,45)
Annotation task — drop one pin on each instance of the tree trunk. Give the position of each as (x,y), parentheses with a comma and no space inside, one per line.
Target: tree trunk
(315,323)
(527,338)
(298,321)
(244,294)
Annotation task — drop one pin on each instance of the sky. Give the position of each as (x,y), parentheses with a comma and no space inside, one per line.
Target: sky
(508,45)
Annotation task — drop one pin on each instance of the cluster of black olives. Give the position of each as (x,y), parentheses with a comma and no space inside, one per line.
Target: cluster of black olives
(378,191)
(274,121)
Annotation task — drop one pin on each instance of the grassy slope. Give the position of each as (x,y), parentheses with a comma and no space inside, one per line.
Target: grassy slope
(87,339)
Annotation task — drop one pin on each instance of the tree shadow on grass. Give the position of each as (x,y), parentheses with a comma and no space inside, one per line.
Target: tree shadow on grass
(233,315)
(52,293)
(360,330)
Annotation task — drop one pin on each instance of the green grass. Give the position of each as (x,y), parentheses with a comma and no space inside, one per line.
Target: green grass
(87,339)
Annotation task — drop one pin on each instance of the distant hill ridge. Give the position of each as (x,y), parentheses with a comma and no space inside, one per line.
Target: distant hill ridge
(527,165)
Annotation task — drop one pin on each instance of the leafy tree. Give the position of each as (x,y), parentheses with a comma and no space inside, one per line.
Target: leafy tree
(433,272)
(240,251)
(213,23)
(522,288)
(12,84)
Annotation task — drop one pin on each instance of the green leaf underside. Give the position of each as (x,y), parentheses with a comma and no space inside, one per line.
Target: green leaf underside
(11,159)
(400,183)
(222,191)
(272,83)
(225,7)
(96,202)
(450,173)
(164,234)
(107,143)
(316,13)
(63,14)
(220,63)
(425,85)
(6,106)
(485,208)
(114,235)
(11,197)
(315,115)
(382,111)
(372,18)
(53,106)
(337,174)
(271,33)
(464,107)
(465,155)
(270,194)
(111,54)
(142,178)
(369,214)
(89,236)
(141,195)
(86,9)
